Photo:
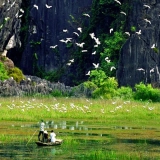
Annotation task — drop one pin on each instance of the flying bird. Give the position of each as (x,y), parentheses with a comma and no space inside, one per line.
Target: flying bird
(53,46)
(147,6)
(76,33)
(71,60)
(88,73)
(84,50)
(107,60)
(127,33)
(110,30)
(139,32)
(118,2)
(140,69)
(92,35)
(68,64)
(79,29)
(96,45)
(112,68)
(47,6)
(153,46)
(97,40)
(65,30)
(96,65)
(62,40)
(87,15)
(21,10)
(35,6)
(152,70)
(93,52)
(80,44)
(148,21)
(123,13)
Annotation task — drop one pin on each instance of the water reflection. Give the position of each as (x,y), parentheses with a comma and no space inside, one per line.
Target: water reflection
(87,135)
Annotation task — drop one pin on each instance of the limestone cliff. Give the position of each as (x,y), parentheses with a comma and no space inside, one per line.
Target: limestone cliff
(10,23)
(139,57)
(50,24)
(51,28)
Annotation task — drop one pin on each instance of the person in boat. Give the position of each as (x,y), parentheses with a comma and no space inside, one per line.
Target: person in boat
(52,137)
(41,132)
(45,136)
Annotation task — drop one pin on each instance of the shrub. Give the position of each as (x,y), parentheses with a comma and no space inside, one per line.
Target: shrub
(84,89)
(57,93)
(146,92)
(16,73)
(107,89)
(3,72)
(125,93)
(97,77)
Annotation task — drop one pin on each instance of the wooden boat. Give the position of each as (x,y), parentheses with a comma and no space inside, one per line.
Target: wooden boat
(58,142)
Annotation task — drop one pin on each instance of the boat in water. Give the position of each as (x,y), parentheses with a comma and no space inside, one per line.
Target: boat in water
(58,142)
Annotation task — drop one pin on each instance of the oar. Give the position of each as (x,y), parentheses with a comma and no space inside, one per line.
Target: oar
(31,137)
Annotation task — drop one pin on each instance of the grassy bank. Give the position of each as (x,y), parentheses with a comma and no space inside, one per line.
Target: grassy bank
(110,111)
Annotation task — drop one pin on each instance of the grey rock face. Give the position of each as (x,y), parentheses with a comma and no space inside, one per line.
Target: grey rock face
(47,26)
(139,57)
(10,24)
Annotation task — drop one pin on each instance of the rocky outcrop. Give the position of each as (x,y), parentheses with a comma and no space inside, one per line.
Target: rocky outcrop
(139,57)
(31,85)
(35,86)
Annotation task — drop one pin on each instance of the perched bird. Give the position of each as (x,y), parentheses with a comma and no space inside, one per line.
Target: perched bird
(87,15)
(35,6)
(96,65)
(76,33)
(79,29)
(53,46)
(88,73)
(47,6)
(147,6)
(110,30)
(123,13)
(118,2)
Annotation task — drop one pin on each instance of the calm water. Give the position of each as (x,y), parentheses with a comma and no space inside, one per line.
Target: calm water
(87,136)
